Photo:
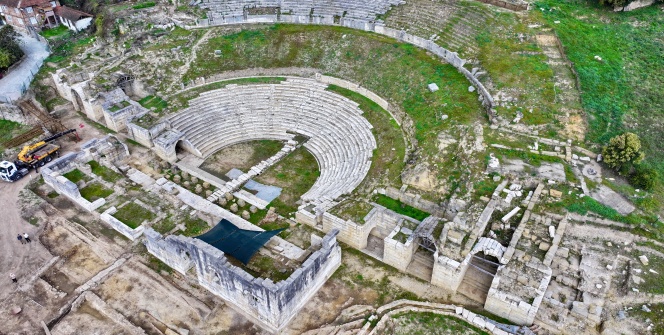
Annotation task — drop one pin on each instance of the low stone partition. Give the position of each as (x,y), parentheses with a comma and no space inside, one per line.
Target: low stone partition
(351,233)
(268,304)
(52,174)
(119,226)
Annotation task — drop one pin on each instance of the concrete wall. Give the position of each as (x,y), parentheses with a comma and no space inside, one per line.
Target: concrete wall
(119,226)
(270,305)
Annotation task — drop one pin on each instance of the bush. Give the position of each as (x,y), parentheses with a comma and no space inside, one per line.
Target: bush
(644,177)
(623,150)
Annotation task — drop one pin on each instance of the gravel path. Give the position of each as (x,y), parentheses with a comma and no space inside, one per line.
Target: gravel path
(11,86)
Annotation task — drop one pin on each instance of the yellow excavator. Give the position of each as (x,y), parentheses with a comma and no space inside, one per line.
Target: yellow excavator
(31,157)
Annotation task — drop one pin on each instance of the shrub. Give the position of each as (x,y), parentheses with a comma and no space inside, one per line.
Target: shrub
(644,177)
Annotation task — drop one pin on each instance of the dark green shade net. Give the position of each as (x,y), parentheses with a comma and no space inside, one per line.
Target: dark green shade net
(239,243)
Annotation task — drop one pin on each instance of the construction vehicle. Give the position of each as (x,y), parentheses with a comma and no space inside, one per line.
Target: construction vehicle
(31,156)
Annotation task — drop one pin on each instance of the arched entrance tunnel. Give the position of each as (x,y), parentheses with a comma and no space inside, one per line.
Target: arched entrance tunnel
(477,280)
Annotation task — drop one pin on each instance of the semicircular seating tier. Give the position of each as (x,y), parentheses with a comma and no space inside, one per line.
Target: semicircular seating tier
(340,137)
(230,11)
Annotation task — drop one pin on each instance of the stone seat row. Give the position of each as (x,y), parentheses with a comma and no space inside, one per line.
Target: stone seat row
(349,8)
(284,120)
(201,131)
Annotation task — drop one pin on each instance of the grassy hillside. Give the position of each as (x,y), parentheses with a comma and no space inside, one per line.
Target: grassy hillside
(623,90)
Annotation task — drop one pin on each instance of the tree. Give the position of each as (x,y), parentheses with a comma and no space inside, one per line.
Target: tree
(10,43)
(5,59)
(623,149)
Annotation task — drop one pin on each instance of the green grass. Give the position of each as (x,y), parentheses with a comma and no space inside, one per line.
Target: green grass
(653,283)
(264,267)
(623,91)
(133,215)
(104,172)
(654,316)
(68,46)
(354,210)
(142,5)
(164,226)
(9,129)
(420,323)
(194,226)
(399,207)
(295,174)
(75,176)
(155,102)
(518,67)
(95,191)
(158,266)
(396,71)
(57,32)
(387,162)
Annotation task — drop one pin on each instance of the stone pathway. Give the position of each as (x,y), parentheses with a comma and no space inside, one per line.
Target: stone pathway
(17,80)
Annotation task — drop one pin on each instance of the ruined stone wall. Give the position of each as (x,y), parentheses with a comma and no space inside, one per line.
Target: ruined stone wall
(52,176)
(268,304)
(13,113)
(399,254)
(118,120)
(448,273)
(414,200)
(119,226)
(77,95)
(350,232)
(305,217)
(145,136)
(501,299)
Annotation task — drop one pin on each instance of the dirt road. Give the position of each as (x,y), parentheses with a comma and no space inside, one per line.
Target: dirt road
(21,259)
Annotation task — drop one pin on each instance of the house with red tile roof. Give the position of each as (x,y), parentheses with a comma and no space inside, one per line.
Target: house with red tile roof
(74,19)
(34,15)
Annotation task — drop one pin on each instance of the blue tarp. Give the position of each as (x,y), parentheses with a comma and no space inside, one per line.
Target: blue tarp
(239,243)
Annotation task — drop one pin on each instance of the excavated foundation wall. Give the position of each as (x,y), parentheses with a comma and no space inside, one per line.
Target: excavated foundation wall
(270,305)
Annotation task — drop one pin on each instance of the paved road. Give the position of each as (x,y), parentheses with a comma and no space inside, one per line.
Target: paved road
(11,85)
(21,259)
